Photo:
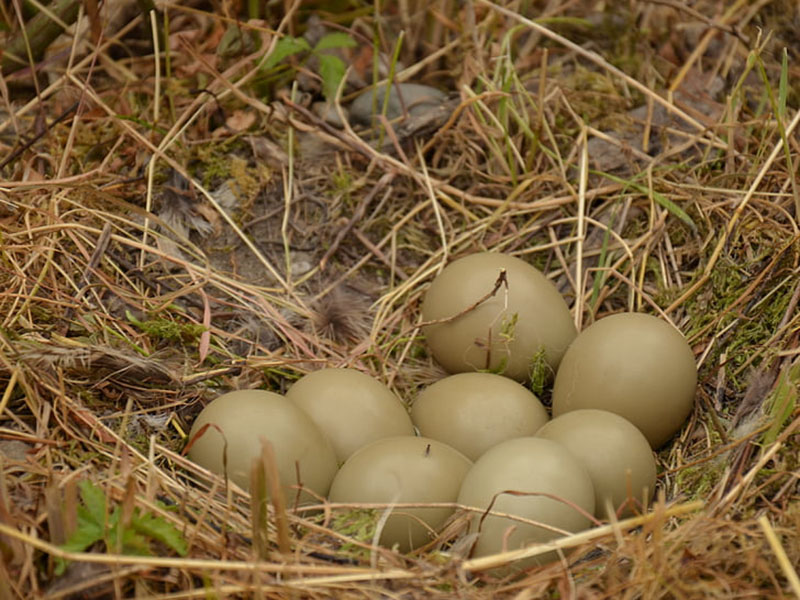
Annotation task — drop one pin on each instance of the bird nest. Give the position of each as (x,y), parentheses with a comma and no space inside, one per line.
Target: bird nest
(176,228)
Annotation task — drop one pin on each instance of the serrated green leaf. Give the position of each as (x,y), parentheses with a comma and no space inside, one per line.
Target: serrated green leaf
(134,542)
(86,533)
(335,39)
(94,525)
(90,522)
(94,501)
(286,46)
(331,69)
(162,530)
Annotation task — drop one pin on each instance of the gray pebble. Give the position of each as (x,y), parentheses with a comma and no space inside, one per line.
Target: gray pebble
(417,99)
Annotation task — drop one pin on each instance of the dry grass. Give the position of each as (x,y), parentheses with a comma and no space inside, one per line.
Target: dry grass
(176,228)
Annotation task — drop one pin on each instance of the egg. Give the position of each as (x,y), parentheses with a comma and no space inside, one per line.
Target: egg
(474,411)
(351,408)
(241,419)
(403,469)
(615,453)
(525,321)
(533,466)
(634,365)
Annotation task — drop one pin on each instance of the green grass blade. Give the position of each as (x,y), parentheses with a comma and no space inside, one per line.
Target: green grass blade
(661,199)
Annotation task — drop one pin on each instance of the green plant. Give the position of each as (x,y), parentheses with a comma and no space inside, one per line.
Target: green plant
(540,372)
(126,534)
(782,402)
(358,524)
(168,331)
(331,67)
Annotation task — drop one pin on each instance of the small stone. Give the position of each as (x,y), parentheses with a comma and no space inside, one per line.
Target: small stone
(301,263)
(14,450)
(417,100)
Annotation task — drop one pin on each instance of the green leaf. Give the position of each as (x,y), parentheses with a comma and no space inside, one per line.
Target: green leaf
(783,85)
(94,525)
(94,500)
(331,69)
(335,39)
(782,402)
(286,46)
(661,199)
(134,542)
(86,533)
(160,529)
(91,522)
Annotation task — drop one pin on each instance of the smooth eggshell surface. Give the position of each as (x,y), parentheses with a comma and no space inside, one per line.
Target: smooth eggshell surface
(474,411)
(351,408)
(528,464)
(634,365)
(507,331)
(403,469)
(244,417)
(616,454)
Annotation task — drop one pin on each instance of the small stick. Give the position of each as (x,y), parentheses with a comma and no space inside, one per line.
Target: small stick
(378,253)
(502,280)
(16,154)
(94,260)
(357,216)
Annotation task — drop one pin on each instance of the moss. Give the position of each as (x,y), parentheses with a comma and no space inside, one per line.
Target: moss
(540,372)
(697,481)
(171,331)
(359,524)
(745,318)
(342,181)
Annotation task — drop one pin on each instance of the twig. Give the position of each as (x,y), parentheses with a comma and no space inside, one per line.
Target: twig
(358,214)
(682,6)
(19,151)
(501,281)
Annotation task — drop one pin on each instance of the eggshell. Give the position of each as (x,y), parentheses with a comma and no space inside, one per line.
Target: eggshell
(504,333)
(474,411)
(616,454)
(634,365)
(527,464)
(351,408)
(244,417)
(403,469)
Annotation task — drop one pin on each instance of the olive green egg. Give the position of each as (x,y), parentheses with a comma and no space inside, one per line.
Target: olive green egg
(551,482)
(403,470)
(615,453)
(634,365)
(240,419)
(351,408)
(524,327)
(474,411)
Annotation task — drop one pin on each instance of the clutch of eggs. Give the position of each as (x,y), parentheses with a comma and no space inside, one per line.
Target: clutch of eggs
(621,387)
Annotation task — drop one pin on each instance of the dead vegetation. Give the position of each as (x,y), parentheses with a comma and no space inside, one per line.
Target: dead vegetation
(179,227)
